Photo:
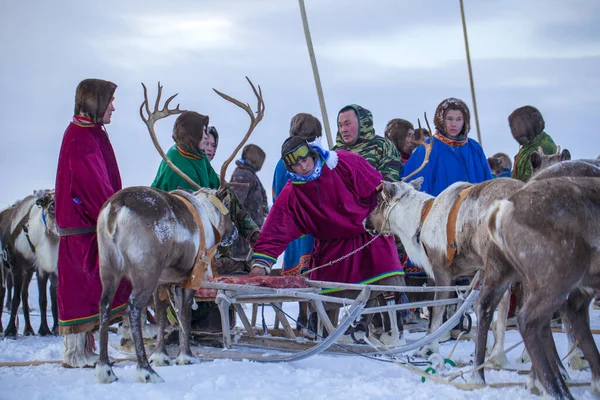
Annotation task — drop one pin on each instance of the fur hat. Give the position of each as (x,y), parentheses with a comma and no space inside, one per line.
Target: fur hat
(92,98)
(254,156)
(213,131)
(396,130)
(189,128)
(305,126)
(452,104)
(525,124)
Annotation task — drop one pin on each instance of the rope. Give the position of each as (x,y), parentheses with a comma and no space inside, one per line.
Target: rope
(342,257)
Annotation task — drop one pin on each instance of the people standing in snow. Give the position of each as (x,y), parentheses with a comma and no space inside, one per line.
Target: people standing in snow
(87,175)
(527,128)
(357,135)
(252,196)
(455,157)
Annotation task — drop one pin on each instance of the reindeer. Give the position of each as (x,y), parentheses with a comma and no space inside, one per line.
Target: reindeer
(29,238)
(549,230)
(153,237)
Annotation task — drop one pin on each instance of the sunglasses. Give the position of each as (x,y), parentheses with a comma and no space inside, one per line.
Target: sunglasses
(297,155)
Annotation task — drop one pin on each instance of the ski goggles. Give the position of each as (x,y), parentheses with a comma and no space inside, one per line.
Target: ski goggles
(297,155)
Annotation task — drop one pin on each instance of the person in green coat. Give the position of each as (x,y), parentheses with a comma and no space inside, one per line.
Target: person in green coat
(527,127)
(189,132)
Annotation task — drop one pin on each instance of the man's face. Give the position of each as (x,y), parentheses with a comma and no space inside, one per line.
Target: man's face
(454,123)
(108,113)
(348,126)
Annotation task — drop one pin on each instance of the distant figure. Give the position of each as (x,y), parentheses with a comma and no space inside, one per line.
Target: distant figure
(527,127)
(212,142)
(357,135)
(253,197)
(501,165)
(86,177)
(297,256)
(401,133)
(455,157)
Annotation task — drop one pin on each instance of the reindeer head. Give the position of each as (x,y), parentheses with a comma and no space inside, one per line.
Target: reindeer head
(539,160)
(45,200)
(218,214)
(390,195)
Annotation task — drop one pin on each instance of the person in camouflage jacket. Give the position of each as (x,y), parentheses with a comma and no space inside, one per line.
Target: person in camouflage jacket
(356,134)
(254,196)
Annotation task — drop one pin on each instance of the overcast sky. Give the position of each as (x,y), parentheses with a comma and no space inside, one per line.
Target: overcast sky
(396,58)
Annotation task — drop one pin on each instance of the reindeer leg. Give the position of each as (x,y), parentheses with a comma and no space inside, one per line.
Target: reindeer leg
(185,353)
(534,324)
(443,277)
(103,371)
(42,281)
(490,296)
(2,293)
(28,330)
(54,300)
(499,331)
(17,283)
(9,290)
(137,303)
(577,319)
(160,357)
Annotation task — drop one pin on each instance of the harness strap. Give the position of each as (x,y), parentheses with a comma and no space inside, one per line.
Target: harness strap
(424,214)
(76,231)
(19,228)
(451,226)
(203,256)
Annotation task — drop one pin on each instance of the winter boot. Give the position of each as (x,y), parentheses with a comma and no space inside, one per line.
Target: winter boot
(79,351)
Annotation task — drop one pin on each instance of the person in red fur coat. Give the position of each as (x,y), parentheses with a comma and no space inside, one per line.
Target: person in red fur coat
(86,177)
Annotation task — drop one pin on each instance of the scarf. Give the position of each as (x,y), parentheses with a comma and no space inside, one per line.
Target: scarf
(82,121)
(450,142)
(522,170)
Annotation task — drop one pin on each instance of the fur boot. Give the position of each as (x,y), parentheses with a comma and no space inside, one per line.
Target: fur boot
(76,355)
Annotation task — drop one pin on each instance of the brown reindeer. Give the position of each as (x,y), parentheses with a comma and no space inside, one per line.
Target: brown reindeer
(29,238)
(550,232)
(447,236)
(153,237)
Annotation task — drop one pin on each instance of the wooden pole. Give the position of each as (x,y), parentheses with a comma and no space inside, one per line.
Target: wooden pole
(464,25)
(313,62)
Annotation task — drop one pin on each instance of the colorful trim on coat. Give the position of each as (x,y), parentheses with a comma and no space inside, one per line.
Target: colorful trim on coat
(82,320)
(368,281)
(264,257)
(448,141)
(188,154)
(303,265)
(82,121)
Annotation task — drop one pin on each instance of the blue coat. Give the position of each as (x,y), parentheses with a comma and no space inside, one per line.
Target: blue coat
(297,255)
(449,163)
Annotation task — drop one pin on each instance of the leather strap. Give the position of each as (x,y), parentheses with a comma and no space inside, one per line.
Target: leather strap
(204,255)
(76,231)
(451,226)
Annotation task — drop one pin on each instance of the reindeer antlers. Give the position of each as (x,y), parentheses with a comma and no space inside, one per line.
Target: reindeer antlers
(428,147)
(155,116)
(254,120)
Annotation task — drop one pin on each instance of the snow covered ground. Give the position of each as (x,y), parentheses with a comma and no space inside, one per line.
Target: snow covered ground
(321,377)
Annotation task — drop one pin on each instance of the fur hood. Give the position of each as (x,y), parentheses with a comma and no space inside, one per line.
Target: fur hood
(452,104)
(188,129)
(253,156)
(525,124)
(366,132)
(92,98)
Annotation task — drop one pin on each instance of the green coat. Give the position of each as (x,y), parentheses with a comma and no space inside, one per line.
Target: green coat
(197,166)
(522,166)
(377,150)
(191,163)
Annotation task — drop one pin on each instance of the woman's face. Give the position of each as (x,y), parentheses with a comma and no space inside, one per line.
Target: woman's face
(211,147)
(409,144)
(453,122)
(304,166)
(203,143)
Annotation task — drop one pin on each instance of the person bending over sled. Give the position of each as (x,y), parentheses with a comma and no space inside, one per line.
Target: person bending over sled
(328,195)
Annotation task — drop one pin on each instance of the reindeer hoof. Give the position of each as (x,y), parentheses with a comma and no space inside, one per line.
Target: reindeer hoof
(524,357)
(186,359)
(29,332)
(148,376)
(10,332)
(160,359)
(44,331)
(476,378)
(426,351)
(104,374)
(534,386)
(500,360)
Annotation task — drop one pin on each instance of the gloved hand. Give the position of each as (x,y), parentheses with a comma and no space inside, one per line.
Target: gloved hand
(260,267)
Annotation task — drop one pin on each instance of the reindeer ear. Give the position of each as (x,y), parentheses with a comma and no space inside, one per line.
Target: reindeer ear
(536,160)
(565,155)
(388,189)
(416,183)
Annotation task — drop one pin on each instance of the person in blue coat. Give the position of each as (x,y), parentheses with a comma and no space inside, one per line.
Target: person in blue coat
(454,157)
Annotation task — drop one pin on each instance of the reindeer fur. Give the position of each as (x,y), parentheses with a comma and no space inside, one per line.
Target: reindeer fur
(475,250)
(150,237)
(550,232)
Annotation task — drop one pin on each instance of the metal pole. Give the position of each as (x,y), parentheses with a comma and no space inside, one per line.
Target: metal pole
(464,25)
(313,62)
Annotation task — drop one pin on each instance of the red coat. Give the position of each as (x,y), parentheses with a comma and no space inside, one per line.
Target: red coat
(87,176)
(332,209)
